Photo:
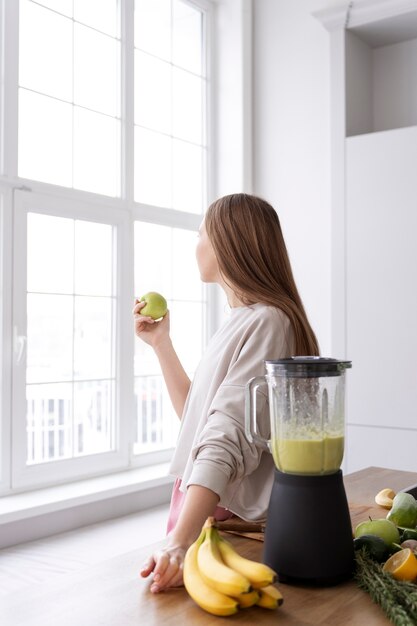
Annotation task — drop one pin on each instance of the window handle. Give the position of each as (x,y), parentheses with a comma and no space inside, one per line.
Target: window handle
(19,343)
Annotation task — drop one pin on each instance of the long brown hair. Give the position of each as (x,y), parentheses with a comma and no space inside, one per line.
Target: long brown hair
(246,235)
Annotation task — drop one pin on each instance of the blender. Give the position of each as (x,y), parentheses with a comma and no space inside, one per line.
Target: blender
(308,533)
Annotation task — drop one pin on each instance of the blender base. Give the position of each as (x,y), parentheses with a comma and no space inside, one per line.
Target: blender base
(308,534)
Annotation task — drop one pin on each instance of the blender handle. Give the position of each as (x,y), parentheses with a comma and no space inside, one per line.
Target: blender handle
(250,411)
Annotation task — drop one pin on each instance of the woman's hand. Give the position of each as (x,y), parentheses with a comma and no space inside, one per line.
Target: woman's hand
(168,562)
(151,332)
(167,566)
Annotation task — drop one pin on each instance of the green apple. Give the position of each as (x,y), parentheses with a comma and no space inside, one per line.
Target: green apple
(156,305)
(383,528)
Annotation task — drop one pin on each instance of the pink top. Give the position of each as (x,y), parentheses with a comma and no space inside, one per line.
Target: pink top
(177,500)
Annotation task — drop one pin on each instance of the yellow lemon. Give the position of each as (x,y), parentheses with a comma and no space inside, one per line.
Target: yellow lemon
(402,565)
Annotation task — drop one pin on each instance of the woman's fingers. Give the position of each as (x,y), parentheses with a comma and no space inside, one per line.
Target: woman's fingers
(147,567)
(138,307)
(167,573)
(141,320)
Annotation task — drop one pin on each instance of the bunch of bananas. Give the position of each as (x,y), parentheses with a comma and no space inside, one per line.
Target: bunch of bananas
(220,581)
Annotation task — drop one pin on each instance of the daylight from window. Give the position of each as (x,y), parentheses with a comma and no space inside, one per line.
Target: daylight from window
(111,146)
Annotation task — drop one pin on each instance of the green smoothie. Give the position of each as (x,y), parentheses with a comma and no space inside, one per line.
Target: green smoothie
(308,456)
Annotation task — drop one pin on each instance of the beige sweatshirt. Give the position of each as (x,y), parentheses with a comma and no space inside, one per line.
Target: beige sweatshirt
(212,449)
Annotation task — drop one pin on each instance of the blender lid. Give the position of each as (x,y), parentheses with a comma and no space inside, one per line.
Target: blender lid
(307,366)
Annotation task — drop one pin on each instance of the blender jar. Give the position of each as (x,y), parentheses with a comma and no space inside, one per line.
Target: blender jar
(306,403)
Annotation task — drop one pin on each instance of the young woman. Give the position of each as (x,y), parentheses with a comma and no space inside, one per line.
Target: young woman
(218,472)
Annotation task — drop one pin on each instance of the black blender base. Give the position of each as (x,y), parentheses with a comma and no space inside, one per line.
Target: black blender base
(308,534)
(314,582)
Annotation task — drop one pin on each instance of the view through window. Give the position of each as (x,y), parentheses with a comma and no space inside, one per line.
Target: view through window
(75,281)
(70,348)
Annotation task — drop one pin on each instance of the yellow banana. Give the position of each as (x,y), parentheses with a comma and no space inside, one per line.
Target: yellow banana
(385,497)
(206,597)
(270,597)
(258,574)
(214,571)
(246,600)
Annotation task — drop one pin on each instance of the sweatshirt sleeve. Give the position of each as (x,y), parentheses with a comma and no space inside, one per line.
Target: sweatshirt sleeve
(222,453)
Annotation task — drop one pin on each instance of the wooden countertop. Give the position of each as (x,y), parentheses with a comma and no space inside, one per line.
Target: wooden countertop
(112,594)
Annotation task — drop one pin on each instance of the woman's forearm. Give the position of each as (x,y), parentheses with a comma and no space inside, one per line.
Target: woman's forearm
(199,504)
(176,379)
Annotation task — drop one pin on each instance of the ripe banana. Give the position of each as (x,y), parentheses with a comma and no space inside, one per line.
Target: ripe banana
(219,580)
(214,571)
(258,574)
(246,600)
(385,497)
(270,597)
(205,596)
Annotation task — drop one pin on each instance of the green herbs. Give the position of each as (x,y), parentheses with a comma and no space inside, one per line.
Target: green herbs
(398,599)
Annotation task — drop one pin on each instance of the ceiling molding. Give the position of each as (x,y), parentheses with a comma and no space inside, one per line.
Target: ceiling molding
(363,12)
(375,10)
(332,18)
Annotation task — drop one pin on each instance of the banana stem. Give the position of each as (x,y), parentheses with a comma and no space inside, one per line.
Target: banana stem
(209,523)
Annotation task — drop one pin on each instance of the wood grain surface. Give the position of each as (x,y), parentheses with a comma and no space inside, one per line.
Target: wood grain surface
(112,594)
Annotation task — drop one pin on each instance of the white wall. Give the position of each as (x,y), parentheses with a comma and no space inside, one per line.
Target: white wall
(359,76)
(394,85)
(291,139)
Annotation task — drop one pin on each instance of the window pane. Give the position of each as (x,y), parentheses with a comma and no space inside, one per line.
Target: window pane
(45,139)
(50,254)
(49,338)
(49,422)
(169,98)
(153,259)
(146,363)
(61,6)
(187,106)
(45,55)
(157,425)
(152,92)
(93,258)
(77,66)
(96,62)
(94,410)
(96,152)
(93,337)
(100,14)
(187,177)
(153,27)
(187,333)
(70,338)
(186,283)
(187,37)
(152,168)
(165,262)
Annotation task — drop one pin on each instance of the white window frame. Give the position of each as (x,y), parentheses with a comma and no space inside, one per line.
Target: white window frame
(23,195)
(62,470)
(5,335)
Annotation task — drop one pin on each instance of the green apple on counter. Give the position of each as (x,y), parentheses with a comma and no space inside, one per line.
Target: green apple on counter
(383,528)
(156,305)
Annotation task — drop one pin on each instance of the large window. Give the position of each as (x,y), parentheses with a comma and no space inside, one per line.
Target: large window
(104,167)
